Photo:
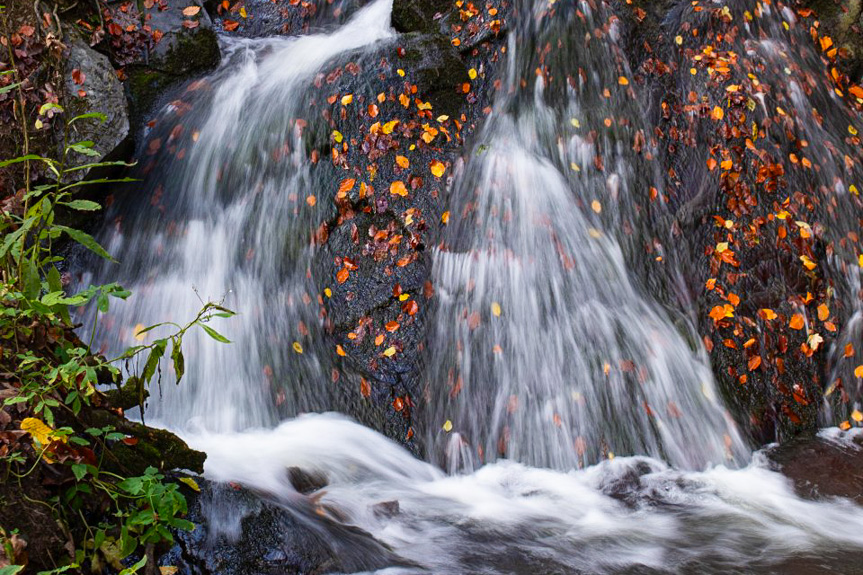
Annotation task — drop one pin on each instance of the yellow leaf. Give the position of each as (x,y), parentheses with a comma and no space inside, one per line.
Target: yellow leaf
(495,309)
(389,126)
(857,416)
(243,12)
(718,113)
(337,136)
(194,486)
(447,425)
(445,217)
(136,331)
(347,99)
(38,430)
(400,72)
(721,247)
(437,168)
(678,40)
(328,292)
(596,206)
(390,351)
(858,372)
(472,73)
(297,347)
(398,188)
(808,263)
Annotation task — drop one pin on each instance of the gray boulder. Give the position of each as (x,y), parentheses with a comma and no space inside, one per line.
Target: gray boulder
(93,87)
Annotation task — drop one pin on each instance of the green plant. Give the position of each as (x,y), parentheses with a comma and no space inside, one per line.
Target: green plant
(57,377)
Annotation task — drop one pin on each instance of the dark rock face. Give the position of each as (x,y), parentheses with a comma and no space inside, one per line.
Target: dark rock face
(822,468)
(259,18)
(734,179)
(419,15)
(181,47)
(93,87)
(240,533)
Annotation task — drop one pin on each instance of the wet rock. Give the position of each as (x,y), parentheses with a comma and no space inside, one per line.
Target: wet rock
(93,87)
(238,533)
(306,481)
(386,509)
(374,262)
(843,22)
(279,17)
(182,46)
(419,15)
(822,467)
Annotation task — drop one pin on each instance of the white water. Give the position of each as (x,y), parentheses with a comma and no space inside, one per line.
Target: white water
(505,517)
(234,227)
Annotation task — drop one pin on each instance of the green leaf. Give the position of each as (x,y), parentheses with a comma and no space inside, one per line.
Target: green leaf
(85,148)
(83,205)
(132,485)
(11,569)
(80,470)
(32,282)
(48,107)
(87,241)
(156,354)
(177,358)
(214,334)
(134,568)
(9,88)
(17,235)
(94,115)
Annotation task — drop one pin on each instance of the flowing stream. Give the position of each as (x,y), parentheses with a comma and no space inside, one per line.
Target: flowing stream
(584,431)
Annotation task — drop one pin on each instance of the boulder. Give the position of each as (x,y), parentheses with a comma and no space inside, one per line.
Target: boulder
(93,87)
(239,532)
(182,46)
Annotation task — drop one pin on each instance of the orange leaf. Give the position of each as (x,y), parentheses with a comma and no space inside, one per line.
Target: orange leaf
(754,362)
(711,164)
(767,314)
(347,185)
(365,388)
(796,321)
(191,10)
(402,162)
(717,113)
(823,312)
(392,326)
(379,339)
(343,275)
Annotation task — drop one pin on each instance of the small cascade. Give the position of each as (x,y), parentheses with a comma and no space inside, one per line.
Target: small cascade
(546,350)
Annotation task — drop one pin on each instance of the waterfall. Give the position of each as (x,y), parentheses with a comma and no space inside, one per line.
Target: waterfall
(570,419)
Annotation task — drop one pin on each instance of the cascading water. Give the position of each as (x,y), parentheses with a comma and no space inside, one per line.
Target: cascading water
(545,349)
(227,184)
(550,354)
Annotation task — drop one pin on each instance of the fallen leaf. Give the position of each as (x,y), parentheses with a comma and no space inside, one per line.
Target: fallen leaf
(796,321)
(437,168)
(398,188)
(191,10)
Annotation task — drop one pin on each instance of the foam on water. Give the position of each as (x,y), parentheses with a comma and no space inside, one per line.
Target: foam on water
(620,514)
